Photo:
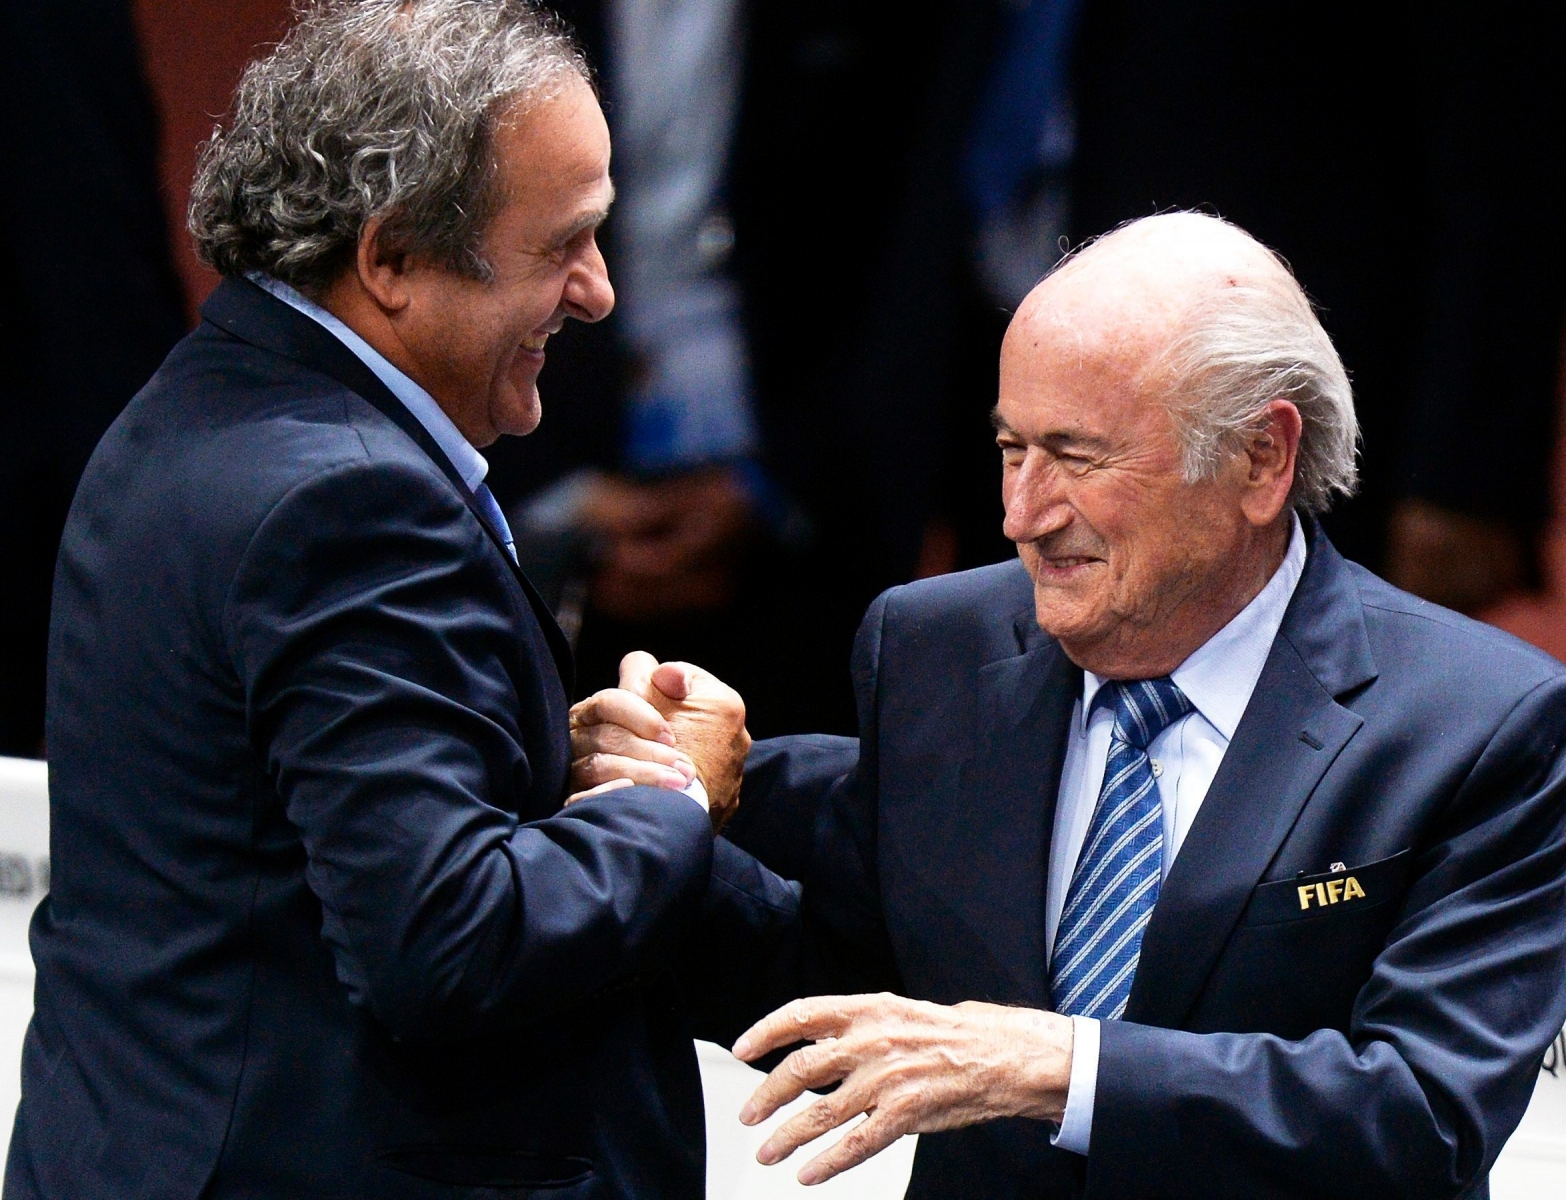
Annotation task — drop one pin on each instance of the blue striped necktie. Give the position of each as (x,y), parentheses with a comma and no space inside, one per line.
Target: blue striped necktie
(1115,884)
(491,509)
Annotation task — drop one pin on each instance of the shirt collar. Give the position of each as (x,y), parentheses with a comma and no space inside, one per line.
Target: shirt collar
(470,464)
(1220,675)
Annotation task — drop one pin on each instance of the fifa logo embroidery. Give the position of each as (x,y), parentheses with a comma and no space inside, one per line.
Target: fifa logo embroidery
(1333,891)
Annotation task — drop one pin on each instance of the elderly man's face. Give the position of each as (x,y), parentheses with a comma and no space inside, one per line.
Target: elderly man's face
(1132,565)
(479,347)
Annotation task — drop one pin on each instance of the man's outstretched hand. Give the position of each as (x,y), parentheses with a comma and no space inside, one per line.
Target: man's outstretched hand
(914,1067)
(666,724)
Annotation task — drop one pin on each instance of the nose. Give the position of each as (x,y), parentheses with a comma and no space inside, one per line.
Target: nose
(589,296)
(1035,500)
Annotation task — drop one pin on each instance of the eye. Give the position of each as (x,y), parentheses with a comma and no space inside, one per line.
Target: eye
(1073,461)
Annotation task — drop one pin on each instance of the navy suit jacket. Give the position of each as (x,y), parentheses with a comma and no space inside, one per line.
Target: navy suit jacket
(1376,1045)
(318,925)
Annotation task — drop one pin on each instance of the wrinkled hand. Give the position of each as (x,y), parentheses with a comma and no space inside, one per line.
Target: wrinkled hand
(914,1067)
(669,546)
(664,725)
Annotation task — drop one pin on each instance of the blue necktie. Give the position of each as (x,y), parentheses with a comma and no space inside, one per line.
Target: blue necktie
(1115,884)
(491,509)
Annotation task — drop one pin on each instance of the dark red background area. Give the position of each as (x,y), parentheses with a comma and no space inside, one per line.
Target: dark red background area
(194,51)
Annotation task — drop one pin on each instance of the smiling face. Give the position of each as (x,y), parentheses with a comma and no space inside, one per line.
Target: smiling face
(1133,566)
(478,347)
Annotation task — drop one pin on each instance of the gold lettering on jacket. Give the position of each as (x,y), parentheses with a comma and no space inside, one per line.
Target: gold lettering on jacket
(1333,891)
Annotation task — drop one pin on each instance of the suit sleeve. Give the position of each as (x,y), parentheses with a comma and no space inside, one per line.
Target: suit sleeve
(1418,1095)
(847,947)
(745,956)
(812,817)
(371,634)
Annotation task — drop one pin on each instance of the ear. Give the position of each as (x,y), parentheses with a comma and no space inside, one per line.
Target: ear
(1271,451)
(382,269)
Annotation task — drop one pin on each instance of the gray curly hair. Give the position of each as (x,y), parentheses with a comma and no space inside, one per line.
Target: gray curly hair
(366,109)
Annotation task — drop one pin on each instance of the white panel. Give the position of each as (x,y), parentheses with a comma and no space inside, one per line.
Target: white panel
(732,1170)
(24,878)
(1533,1164)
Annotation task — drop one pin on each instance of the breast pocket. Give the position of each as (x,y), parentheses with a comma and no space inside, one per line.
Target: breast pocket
(1305,947)
(1346,892)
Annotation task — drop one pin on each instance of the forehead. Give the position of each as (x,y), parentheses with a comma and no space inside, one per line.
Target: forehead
(1085,360)
(556,147)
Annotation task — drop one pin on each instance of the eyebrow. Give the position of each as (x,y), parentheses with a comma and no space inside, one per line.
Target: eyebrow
(590,220)
(1056,440)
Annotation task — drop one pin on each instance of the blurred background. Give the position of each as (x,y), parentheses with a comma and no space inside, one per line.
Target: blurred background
(827,210)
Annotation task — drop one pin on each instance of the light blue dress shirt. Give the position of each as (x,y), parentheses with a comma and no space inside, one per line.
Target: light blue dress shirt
(470,464)
(1218,679)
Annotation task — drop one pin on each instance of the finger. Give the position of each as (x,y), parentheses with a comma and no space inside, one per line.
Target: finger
(809,1067)
(616,706)
(675,680)
(612,785)
(799,1021)
(866,1139)
(602,768)
(636,670)
(612,739)
(806,1126)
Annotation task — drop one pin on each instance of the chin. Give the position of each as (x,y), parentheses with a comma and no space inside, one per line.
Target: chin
(518,416)
(1064,620)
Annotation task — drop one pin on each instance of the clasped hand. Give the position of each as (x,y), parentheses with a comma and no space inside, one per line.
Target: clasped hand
(665,725)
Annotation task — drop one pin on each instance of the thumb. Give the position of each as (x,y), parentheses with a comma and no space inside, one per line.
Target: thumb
(637,670)
(675,680)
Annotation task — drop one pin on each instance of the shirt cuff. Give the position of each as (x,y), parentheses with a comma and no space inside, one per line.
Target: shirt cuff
(698,792)
(1076,1123)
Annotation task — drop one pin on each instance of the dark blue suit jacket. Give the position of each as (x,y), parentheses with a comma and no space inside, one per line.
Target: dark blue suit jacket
(1373,1046)
(318,926)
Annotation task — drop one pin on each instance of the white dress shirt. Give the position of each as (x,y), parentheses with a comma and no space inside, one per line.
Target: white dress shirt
(1218,679)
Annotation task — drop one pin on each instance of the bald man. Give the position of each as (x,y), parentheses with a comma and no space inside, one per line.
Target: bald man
(1201,861)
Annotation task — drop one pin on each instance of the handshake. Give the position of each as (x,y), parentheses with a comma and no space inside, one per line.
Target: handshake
(666,725)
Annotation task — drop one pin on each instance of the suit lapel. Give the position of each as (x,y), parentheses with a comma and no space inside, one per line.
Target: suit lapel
(1024,706)
(1292,731)
(242,309)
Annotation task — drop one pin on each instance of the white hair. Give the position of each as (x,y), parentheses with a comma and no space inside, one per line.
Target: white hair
(1241,345)
(1244,347)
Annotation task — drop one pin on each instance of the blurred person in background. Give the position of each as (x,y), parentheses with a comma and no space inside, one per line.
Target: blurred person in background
(761,415)
(1409,162)
(89,303)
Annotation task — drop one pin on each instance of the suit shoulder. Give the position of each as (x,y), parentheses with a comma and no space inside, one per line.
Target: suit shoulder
(1471,654)
(232,418)
(999,587)
(982,612)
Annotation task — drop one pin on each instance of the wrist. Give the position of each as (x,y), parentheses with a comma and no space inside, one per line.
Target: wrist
(1042,1063)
